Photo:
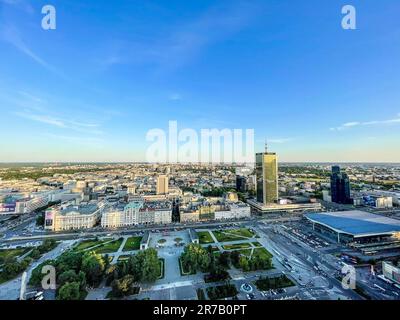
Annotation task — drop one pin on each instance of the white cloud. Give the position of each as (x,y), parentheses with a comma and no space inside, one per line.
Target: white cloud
(42,118)
(175,97)
(88,128)
(349,125)
(181,43)
(11,35)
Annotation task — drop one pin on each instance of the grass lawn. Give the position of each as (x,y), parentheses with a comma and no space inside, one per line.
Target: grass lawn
(262,252)
(205,237)
(245,252)
(216,254)
(162,268)
(242,232)
(233,234)
(86,244)
(184,272)
(12,253)
(221,236)
(236,246)
(133,243)
(109,247)
(257,244)
(124,257)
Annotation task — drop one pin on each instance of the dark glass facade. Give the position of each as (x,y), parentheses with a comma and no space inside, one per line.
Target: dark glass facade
(340,186)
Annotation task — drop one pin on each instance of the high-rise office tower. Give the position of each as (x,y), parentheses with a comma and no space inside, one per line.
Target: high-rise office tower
(162,184)
(267,177)
(241,184)
(340,186)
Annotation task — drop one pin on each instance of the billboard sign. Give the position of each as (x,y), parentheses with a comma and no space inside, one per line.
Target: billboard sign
(7,207)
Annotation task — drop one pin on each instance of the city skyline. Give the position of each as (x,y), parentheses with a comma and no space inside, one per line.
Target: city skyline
(90,90)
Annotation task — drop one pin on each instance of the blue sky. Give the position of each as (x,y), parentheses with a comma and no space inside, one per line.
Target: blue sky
(112,70)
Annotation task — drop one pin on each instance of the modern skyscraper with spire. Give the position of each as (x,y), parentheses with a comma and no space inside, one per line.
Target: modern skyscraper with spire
(267,177)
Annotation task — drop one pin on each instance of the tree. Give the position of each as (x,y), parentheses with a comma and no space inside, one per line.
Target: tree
(244,263)
(37,276)
(224,259)
(151,265)
(112,273)
(106,259)
(123,287)
(40,220)
(47,245)
(11,268)
(35,254)
(69,260)
(93,266)
(195,257)
(235,256)
(67,276)
(69,291)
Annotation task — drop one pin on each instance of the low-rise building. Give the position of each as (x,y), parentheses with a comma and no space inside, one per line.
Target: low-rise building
(391,271)
(236,210)
(72,217)
(189,216)
(137,212)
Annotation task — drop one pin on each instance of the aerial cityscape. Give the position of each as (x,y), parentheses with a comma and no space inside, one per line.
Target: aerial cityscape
(200,231)
(169,150)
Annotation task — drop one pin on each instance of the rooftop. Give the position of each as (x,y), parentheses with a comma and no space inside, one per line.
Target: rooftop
(356,223)
(83,209)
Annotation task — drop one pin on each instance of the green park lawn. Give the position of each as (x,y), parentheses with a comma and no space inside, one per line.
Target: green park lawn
(162,268)
(245,252)
(224,237)
(205,237)
(109,247)
(242,232)
(236,246)
(133,243)
(183,271)
(262,253)
(124,257)
(256,244)
(86,244)
(12,253)
(233,234)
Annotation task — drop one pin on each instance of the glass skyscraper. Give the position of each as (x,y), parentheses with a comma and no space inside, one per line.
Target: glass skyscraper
(340,186)
(267,177)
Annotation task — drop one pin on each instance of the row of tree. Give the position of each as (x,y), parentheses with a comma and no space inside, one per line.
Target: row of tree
(195,258)
(124,276)
(256,262)
(74,272)
(13,267)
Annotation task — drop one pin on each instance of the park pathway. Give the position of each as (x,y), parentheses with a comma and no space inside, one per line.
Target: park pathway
(120,250)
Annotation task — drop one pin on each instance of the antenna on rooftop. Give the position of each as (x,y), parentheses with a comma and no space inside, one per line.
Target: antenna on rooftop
(266,146)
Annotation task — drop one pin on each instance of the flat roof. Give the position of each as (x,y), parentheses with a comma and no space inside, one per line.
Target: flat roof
(356,223)
(82,209)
